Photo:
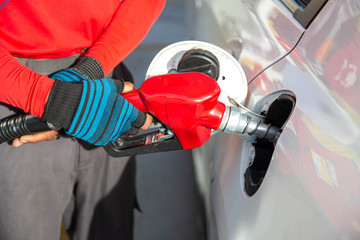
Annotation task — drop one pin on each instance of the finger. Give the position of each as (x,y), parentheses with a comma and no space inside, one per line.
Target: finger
(120,85)
(16,142)
(128,86)
(149,120)
(38,137)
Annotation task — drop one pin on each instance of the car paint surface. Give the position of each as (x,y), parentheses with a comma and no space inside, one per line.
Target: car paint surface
(311,189)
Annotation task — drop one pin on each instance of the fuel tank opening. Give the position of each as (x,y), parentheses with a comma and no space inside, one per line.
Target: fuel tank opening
(199,60)
(277,108)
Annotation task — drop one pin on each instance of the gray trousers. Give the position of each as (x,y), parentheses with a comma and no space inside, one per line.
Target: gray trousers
(43,183)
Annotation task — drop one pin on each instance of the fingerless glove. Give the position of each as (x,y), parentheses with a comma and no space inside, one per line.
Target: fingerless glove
(92,110)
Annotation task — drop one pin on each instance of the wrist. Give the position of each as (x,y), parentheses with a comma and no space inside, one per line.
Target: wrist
(89,67)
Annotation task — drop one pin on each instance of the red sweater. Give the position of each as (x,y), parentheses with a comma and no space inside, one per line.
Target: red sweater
(107,29)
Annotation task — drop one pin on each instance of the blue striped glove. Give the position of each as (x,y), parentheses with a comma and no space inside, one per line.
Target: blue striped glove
(69,75)
(83,69)
(92,110)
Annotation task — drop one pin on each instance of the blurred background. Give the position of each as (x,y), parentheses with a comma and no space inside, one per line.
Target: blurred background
(166,187)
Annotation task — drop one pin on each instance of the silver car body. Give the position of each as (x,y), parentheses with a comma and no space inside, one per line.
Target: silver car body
(311,189)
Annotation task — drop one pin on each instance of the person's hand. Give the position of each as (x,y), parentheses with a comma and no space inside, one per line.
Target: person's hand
(84,68)
(39,137)
(94,110)
(52,135)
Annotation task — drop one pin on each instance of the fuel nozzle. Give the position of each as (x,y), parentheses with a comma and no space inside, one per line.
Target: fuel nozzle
(236,121)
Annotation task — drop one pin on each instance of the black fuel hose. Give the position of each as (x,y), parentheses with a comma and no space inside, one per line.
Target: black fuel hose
(21,124)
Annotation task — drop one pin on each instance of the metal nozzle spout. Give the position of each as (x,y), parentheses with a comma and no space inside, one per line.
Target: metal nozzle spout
(235,121)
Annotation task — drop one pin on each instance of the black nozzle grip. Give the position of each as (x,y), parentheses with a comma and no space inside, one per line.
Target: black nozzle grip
(137,147)
(21,124)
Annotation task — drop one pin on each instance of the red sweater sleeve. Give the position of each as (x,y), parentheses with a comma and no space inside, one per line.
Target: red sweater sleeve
(128,27)
(28,90)
(22,87)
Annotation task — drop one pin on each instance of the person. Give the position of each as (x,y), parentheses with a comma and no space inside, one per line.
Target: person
(54,56)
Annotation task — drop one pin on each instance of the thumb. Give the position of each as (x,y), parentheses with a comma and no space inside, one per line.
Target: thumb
(128,87)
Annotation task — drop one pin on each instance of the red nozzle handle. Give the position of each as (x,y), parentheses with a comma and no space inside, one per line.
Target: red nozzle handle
(186,102)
